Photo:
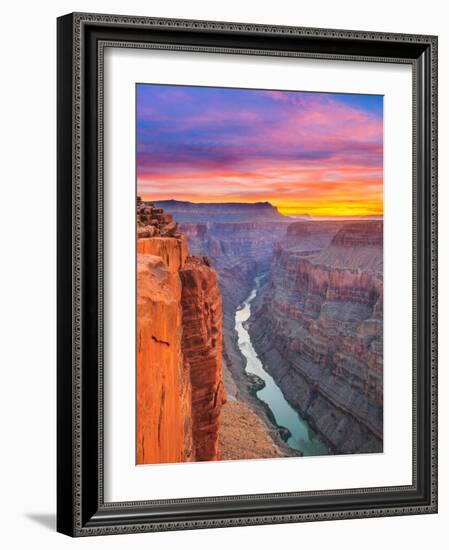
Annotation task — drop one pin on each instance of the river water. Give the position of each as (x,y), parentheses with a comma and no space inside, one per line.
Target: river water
(302,436)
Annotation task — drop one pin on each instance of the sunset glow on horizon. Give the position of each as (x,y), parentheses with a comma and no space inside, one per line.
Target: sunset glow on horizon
(319,154)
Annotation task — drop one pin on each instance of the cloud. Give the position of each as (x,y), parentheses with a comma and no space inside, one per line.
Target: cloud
(194,143)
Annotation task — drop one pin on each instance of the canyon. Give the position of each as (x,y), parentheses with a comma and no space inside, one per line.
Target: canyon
(239,251)
(317,327)
(182,410)
(312,293)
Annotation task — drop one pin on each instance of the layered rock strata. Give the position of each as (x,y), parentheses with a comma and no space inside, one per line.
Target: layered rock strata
(238,251)
(164,430)
(202,349)
(239,239)
(317,326)
(180,388)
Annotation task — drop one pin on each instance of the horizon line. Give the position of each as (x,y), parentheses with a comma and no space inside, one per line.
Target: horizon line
(146,198)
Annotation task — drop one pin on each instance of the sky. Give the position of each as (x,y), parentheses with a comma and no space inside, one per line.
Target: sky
(319,154)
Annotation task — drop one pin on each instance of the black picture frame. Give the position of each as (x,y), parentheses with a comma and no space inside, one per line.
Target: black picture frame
(81,510)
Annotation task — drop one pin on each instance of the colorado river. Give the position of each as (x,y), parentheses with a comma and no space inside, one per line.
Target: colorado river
(302,437)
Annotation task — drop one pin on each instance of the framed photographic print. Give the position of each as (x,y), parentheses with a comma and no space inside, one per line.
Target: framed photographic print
(247,284)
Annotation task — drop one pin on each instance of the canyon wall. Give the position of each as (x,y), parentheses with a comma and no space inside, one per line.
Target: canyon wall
(317,326)
(180,388)
(239,239)
(202,349)
(164,431)
(239,251)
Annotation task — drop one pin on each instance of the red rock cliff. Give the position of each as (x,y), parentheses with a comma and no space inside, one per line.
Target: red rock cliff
(164,432)
(202,349)
(179,375)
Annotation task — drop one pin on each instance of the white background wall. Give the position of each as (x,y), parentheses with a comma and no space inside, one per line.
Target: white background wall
(28,282)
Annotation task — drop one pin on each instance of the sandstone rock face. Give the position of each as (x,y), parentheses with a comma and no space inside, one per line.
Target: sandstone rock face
(173,251)
(164,427)
(318,328)
(180,387)
(202,351)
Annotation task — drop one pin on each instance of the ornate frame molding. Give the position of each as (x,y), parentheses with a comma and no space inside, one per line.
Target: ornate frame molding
(82,511)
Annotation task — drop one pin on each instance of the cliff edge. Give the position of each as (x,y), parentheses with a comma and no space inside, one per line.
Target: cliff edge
(180,388)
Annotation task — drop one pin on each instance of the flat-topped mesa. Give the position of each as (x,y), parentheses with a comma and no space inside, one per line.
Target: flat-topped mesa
(356,246)
(191,212)
(310,228)
(179,346)
(310,235)
(365,233)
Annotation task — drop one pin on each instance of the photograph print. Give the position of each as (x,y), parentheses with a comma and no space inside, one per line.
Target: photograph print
(259,286)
